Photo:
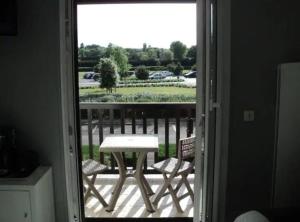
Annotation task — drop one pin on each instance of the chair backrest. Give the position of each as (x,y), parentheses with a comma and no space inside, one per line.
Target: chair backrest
(186,148)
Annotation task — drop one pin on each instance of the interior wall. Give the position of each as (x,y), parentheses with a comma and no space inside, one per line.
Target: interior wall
(30,88)
(264,33)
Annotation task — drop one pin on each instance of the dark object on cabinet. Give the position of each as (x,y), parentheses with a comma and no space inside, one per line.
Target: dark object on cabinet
(15,162)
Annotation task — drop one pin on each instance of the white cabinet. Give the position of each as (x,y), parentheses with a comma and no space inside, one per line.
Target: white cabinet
(27,199)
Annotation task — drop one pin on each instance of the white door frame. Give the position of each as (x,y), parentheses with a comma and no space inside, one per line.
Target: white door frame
(69,122)
(219,169)
(199,166)
(222,126)
(223,113)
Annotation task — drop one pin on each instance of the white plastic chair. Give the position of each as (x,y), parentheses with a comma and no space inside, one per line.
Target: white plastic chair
(92,168)
(174,167)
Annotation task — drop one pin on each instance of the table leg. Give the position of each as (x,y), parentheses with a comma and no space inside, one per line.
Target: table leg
(140,181)
(121,180)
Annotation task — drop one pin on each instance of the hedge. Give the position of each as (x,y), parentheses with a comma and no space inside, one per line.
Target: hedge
(139,97)
(133,81)
(85,69)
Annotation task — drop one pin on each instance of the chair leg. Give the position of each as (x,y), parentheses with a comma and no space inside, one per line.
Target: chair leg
(92,187)
(162,190)
(173,195)
(88,190)
(178,186)
(188,186)
(175,199)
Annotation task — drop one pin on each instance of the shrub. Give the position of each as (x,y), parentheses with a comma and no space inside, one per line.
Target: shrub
(171,67)
(194,67)
(178,70)
(134,81)
(108,73)
(142,73)
(139,97)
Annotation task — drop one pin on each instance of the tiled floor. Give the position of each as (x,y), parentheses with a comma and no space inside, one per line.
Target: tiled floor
(130,203)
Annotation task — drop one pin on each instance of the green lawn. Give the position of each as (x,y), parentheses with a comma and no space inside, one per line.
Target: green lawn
(161,154)
(152,90)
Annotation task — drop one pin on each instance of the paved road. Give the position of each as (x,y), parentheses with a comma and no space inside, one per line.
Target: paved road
(88,83)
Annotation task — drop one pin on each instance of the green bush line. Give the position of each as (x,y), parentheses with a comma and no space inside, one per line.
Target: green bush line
(171,84)
(146,85)
(149,81)
(139,97)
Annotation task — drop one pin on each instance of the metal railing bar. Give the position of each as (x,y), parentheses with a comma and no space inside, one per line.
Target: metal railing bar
(177,127)
(100,128)
(166,137)
(90,134)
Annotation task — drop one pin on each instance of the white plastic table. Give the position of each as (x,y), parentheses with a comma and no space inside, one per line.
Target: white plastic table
(141,144)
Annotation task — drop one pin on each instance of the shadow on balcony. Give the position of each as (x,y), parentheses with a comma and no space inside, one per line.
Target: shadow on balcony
(130,203)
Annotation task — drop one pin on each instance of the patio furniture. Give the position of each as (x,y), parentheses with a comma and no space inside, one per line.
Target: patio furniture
(174,167)
(92,168)
(141,144)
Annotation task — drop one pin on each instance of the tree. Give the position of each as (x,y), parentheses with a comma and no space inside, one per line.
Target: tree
(152,53)
(142,73)
(166,56)
(119,56)
(178,49)
(94,51)
(108,72)
(81,51)
(171,67)
(144,47)
(192,54)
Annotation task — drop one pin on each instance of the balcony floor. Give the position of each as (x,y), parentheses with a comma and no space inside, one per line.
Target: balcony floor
(130,203)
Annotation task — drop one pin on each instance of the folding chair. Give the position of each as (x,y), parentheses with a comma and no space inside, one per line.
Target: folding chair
(92,168)
(174,167)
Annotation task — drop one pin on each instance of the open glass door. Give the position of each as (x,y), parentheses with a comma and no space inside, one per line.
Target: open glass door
(205,125)
(206,108)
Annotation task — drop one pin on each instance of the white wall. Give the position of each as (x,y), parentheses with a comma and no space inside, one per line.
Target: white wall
(30,88)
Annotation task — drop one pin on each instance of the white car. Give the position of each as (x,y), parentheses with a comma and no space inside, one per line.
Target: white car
(167,73)
(157,75)
(160,74)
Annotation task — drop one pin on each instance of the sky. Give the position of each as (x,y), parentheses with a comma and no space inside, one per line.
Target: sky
(131,25)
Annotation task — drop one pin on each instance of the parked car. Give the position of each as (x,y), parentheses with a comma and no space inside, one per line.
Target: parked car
(160,74)
(88,75)
(91,75)
(192,74)
(167,73)
(157,75)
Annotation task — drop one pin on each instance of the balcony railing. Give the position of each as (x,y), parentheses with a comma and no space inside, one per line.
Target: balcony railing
(103,119)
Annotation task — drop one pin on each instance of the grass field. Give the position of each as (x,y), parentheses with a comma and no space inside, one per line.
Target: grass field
(161,154)
(135,90)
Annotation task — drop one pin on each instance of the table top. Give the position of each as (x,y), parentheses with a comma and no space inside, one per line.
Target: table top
(130,143)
